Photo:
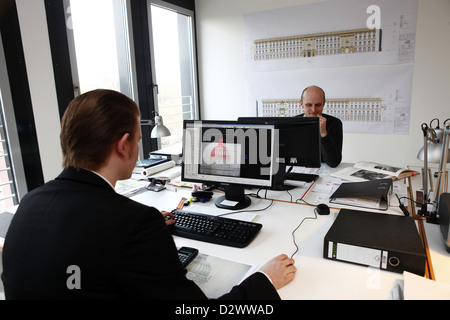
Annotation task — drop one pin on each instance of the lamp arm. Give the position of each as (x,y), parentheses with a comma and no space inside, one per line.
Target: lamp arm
(147,122)
(443,162)
(425,166)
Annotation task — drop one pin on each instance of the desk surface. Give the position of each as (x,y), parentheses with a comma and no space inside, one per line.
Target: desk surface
(317,278)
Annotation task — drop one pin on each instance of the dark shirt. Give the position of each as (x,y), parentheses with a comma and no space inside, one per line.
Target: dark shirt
(332,143)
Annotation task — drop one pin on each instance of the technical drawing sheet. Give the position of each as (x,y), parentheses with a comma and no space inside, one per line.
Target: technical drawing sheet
(366,71)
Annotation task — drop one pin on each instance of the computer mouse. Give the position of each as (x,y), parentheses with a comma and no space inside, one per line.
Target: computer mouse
(322,209)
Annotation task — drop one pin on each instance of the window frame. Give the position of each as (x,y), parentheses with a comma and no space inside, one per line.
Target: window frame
(193,63)
(18,106)
(139,36)
(13,154)
(144,68)
(124,48)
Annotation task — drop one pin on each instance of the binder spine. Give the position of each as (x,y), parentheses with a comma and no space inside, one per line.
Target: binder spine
(356,254)
(381,259)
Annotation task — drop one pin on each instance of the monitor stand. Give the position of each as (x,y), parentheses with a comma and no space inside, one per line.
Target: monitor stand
(283,187)
(235,193)
(279,179)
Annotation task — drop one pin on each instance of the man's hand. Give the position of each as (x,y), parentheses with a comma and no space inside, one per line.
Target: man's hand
(168,221)
(323,127)
(280,270)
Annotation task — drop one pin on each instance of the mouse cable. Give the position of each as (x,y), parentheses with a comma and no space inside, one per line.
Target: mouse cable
(289,194)
(306,218)
(300,199)
(416,202)
(256,195)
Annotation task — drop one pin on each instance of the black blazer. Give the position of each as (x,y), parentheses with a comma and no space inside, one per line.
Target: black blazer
(123,248)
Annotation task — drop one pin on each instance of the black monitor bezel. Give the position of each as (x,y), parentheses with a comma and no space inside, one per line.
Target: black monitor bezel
(279,121)
(273,181)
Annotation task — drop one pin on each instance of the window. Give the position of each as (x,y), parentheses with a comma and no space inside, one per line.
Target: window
(99,45)
(130,46)
(8,196)
(174,67)
(13,184)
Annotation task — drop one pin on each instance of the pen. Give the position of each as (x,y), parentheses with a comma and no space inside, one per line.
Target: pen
(307,190)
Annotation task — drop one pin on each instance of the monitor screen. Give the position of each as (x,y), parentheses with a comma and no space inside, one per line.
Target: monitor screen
(231,154)
(299,139)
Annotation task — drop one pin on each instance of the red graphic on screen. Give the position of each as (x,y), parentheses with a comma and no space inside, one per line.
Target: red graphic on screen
(220,152)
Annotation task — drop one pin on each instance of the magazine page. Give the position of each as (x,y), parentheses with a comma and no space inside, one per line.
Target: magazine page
(381,168)
(364,170)
(357,175)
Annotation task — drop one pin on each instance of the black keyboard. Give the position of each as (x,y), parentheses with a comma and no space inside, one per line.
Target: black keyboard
(218,230)
(306,177)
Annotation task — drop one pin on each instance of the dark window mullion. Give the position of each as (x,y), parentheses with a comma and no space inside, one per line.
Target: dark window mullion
(20,93)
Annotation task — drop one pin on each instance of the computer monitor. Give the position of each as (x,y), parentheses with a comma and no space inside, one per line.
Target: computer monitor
(230,154)
(299,139)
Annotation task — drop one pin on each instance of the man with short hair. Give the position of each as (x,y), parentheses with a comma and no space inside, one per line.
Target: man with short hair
(313,102)
(76,238)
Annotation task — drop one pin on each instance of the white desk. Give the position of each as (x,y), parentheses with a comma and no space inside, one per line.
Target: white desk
(440,258)
(317,278)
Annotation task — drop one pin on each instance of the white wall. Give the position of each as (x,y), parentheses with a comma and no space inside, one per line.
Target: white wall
(36,46)
(220,29)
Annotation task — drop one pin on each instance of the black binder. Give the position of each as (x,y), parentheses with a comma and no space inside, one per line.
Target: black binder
(379,240)
(372,194)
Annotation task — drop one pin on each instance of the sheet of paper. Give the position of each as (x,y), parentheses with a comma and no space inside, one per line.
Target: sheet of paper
(216,276)
(420,288)
(5,221)
(130,187)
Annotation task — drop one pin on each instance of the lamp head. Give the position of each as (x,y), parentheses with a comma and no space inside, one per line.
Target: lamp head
(160,130)
(434,145)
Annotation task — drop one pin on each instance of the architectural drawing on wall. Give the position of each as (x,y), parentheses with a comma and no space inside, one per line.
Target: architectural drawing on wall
(347,109)
(355,110)
(280,107)
(319,44)
(332,44)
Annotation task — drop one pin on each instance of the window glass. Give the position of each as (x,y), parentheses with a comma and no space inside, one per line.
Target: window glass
(13,185)
(100,52)
(174,69)
(8,196)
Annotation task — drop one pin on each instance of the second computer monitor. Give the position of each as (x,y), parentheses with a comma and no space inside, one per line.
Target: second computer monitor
(299,139)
